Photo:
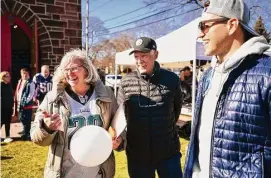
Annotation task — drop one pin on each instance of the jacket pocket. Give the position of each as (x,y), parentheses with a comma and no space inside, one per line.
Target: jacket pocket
(107,169)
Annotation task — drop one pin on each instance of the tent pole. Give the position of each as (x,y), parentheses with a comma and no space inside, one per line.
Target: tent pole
(194,87)
(115,83)
(87,17)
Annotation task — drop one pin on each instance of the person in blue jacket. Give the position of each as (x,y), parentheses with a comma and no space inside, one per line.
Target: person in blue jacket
(25,91)
(231,135)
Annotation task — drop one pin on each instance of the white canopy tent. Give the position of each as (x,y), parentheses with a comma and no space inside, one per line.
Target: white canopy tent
(177,46)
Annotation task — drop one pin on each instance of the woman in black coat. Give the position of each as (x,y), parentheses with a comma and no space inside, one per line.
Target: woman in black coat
(7,103)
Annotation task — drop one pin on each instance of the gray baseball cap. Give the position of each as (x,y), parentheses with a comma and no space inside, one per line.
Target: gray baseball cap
(232,9)
(144,44)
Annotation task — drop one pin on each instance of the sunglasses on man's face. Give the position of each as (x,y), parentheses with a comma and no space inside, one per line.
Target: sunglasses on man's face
(204,27)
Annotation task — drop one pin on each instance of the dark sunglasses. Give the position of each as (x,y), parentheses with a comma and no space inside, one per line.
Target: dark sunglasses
(203,27)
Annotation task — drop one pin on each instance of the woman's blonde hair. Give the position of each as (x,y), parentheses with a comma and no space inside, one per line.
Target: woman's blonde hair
(76,54)
(2,74)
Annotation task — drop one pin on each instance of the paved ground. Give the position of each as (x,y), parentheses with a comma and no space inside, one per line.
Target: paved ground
(14,129)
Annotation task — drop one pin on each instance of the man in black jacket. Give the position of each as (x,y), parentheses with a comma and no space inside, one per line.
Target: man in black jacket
(152,104)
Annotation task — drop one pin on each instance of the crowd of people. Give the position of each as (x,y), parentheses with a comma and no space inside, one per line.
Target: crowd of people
(230,135)
(27,94)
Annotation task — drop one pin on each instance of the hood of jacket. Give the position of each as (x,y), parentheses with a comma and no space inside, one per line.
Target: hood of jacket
(256,45)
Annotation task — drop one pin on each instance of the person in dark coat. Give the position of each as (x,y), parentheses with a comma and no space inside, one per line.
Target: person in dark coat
(6,103)
(152,102)
(186,76)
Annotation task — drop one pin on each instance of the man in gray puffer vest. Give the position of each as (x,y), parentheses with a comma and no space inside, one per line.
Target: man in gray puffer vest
(152,103)
(231,135)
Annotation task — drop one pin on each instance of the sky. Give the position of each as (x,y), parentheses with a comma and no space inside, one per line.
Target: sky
(106,9)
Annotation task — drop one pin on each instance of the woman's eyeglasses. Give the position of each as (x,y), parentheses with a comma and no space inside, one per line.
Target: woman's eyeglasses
(204,28)
(7,76)
(72,69)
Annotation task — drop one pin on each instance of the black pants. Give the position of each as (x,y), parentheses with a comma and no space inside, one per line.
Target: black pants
(169,168)
(6,115)
(25,117)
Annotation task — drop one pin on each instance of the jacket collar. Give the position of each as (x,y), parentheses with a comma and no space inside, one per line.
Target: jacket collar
(99,88)
(256,45)
(154,74)
(101,92)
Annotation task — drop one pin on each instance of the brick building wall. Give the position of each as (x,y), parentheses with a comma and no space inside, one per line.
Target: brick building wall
(59,25)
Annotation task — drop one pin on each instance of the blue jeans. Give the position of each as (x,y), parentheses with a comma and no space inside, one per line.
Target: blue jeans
(170,168)
(25,117)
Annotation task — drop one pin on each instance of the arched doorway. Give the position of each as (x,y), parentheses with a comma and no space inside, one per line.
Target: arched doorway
(16,45)
(20,52)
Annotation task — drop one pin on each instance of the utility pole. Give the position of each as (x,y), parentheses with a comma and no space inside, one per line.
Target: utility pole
(87,17)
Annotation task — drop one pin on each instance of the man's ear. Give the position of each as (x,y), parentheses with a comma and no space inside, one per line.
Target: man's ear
(156,55)
(232,25)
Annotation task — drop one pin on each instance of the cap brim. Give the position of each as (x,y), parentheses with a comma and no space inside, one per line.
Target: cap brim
(145,50)
(250,30)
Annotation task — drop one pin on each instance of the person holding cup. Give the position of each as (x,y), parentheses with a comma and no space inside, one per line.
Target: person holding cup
(78,98)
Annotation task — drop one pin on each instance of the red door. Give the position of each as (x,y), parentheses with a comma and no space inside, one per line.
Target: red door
(7,20)
(5,44)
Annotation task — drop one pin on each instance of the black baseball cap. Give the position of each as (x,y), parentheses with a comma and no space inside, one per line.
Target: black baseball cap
(144,44)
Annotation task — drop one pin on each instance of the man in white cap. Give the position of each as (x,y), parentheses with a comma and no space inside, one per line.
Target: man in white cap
(231,135)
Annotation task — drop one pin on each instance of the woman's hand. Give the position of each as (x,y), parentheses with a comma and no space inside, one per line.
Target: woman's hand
(36,101)
(13,113)
(14,109)
(116,141)
(52,122)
